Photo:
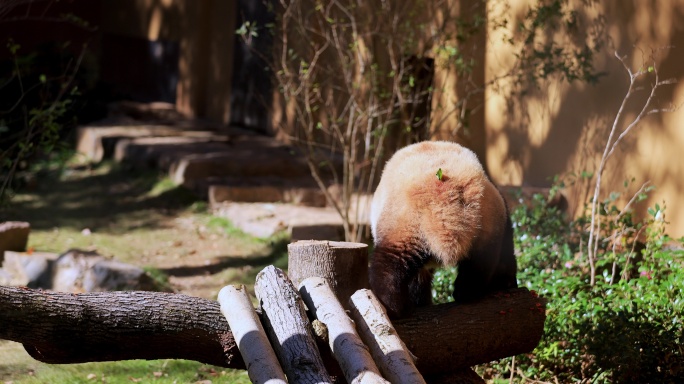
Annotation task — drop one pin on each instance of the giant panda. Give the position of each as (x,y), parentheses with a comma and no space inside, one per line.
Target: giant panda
(434,203)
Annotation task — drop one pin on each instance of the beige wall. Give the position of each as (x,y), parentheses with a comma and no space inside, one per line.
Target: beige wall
(204,29)
(432,28)
(563,128)
(554,130)
(447,116)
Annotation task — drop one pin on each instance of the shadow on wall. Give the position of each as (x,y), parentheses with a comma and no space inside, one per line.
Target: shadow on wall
(559,128)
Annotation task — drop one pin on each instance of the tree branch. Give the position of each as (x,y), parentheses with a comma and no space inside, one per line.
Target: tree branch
(63,328)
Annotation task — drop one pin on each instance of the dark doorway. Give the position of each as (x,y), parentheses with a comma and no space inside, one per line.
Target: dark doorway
(250,99)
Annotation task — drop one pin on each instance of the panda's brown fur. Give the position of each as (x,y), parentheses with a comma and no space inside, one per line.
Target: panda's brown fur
(418,218)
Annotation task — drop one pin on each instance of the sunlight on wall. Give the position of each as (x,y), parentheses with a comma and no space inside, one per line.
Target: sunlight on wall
(562,128)
(154,25)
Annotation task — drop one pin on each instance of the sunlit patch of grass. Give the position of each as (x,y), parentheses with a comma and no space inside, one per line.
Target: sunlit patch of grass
(225,226)
(161,279)
(20,368)
(144,219)
(162,185)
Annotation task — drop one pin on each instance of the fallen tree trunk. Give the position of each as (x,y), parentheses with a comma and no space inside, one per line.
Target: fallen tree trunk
(65,328)
(68,328)
(449,336)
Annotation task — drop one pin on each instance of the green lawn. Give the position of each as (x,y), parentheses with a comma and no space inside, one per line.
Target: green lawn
(19,368)
(143,219)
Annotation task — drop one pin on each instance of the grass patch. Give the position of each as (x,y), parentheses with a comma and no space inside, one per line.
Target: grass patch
(161,279)
(21,369)
(143,219)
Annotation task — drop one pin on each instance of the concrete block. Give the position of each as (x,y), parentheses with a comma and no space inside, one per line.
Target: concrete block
(13,237)
(311,197)
(323,231)
(245,194)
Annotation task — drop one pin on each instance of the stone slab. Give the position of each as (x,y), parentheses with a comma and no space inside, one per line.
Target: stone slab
(265,219)
(237,162)
(321,231)
(74,271)
(27,269)
(163,151)
(97,142)
(13,236)
(277,192)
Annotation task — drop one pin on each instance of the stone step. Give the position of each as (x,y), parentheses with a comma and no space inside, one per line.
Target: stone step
(222,163)
(238,161)
(268,189)
(100,142)
(165,151)
(266,219)
(302,230)
(97,142)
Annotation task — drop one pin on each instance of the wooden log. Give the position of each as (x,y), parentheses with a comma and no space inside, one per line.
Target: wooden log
(458,376)
(66,328)
(262,363)
(288,328)
(353,356)
(393,358)
(343,265)
(449,336)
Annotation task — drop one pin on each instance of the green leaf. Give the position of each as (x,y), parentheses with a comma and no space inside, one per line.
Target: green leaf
(439,174)
(13,47)
(242,30)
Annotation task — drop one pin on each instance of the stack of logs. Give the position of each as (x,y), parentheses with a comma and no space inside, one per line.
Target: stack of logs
(321,345)
(356,339)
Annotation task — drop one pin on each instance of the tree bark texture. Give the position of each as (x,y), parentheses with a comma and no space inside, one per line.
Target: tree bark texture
(449,336)
(352,354)
(65,328)
(262,364)
(343,265)
(288,328)
(376,330)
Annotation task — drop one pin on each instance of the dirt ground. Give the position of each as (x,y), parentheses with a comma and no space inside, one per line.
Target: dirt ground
(142,219)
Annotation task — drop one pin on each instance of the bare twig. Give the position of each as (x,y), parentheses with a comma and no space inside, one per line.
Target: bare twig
(611,145)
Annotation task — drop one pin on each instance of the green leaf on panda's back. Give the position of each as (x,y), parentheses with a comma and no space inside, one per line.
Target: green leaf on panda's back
(439,174)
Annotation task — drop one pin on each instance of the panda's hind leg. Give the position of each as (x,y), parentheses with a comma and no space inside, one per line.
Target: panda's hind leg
(505,275)
(420,288)
(475,274)
(398,279)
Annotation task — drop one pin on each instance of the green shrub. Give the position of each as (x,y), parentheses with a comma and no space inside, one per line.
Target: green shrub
(626,328)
